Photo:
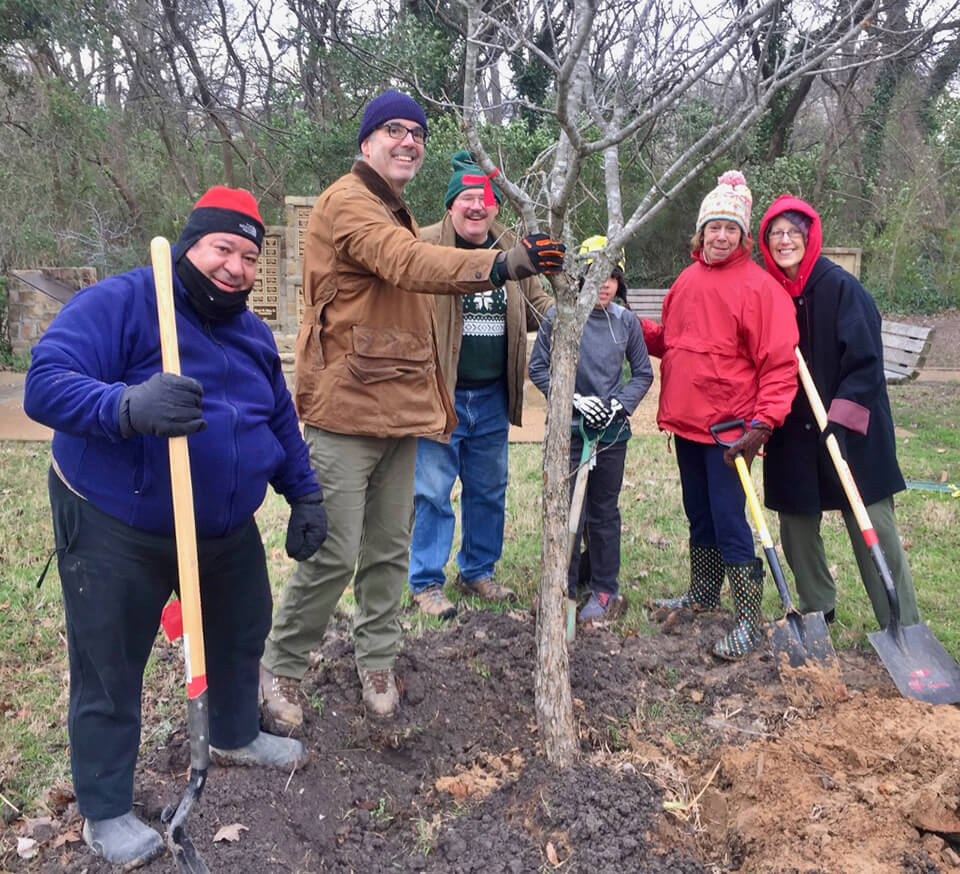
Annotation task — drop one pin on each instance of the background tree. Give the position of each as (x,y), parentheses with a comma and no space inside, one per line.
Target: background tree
(626,75)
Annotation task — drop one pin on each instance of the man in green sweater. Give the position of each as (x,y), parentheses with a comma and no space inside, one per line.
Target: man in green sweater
(482,345)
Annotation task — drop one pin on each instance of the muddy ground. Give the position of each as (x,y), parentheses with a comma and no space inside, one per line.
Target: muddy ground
(688,765)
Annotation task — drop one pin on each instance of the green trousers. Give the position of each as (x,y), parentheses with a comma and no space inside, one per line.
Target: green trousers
(816,589)
(368,492)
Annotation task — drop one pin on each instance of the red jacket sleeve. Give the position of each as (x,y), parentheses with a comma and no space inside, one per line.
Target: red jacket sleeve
(653,336)
(771,337)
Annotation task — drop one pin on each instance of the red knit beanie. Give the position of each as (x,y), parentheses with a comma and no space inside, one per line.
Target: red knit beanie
(222,210)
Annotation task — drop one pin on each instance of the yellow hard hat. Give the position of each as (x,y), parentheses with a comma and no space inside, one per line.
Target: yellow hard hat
(595,244)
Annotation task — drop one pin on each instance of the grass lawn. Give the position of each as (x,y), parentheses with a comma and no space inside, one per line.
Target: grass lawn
(33,666)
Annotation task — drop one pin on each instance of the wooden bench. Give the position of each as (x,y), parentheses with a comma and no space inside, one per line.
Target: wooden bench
(905,349)
(647,303)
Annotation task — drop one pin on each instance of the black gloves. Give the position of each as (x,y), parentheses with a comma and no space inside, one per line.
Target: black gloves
(839,432)
(166,405)
(597,412)
(535,253)
(307,528)
(749,444)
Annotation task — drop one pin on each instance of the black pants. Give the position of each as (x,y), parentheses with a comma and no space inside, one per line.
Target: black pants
(116,581)
(601,514)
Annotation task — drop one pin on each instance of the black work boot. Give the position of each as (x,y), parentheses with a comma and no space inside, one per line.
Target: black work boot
(746,586)
(706,581)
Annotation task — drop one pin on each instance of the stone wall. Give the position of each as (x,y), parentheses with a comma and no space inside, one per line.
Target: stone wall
(29,311)
(268,297)
(298,214)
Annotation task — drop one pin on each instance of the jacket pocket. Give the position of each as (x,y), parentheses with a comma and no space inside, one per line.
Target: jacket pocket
(381,354)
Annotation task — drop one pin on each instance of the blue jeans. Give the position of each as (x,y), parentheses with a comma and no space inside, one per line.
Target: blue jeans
(713,500)
(477,453)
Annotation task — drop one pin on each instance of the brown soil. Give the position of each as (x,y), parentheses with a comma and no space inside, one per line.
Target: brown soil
(688,765)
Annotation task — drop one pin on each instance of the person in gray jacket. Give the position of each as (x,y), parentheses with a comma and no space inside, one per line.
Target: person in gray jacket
(602,404)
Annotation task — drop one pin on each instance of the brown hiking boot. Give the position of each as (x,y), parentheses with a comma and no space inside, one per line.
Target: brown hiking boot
(279,711)
(380,694)
(434,602)
(487,589)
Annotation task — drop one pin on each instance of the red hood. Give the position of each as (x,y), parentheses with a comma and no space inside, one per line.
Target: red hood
(814,242)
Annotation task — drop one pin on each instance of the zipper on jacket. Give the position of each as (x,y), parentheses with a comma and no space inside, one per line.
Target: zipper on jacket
(235,420)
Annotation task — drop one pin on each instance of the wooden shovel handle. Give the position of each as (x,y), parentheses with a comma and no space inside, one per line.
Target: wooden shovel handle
(183,519)
(839,462)
(856,501)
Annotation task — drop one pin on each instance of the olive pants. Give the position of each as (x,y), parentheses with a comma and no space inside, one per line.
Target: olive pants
(816,589)
(368,493)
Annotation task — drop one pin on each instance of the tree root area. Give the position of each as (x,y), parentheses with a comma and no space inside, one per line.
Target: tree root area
(688,765)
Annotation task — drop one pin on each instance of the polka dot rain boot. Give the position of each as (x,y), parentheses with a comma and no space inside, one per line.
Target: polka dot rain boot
(746,586)
(706,581)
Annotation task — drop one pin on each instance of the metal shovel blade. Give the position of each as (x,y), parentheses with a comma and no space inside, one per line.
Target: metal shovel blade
(802,638)
(918,664)
(181,847)
(806,660)
(185,855)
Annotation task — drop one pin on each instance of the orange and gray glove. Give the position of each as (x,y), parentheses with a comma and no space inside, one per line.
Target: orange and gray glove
(535,253)
(749,444)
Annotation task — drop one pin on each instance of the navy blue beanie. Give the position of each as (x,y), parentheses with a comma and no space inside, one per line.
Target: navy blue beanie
(390,104)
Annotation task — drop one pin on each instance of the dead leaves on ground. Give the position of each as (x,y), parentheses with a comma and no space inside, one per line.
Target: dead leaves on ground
(230,832)
(482,777)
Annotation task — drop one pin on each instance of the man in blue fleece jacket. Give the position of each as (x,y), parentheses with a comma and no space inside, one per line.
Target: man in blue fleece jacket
(96,380)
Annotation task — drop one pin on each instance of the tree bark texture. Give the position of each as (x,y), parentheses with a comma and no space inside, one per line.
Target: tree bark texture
(554,703)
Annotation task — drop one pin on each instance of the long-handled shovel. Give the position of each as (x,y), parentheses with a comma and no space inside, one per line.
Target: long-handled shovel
(802,638)
(913,657)
(185,854)
(588,460)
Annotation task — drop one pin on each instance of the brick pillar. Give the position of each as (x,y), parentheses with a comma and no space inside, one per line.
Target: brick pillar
(29,311)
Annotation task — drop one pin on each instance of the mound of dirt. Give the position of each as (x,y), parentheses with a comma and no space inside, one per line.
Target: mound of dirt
(688,766)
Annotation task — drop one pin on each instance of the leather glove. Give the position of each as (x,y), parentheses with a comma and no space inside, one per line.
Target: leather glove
(535,253)
(307,528)
(748,445)
(596,411)
(166,405)
(839,432)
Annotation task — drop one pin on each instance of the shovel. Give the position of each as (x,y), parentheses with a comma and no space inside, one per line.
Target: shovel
(914,658)
(588,460)
(802,639)
(181,847)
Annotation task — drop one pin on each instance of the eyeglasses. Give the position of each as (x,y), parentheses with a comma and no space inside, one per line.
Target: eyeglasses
(792,234)
(399,132)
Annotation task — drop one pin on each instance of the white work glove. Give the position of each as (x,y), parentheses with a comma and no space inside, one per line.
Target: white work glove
(617,411)
(596,411)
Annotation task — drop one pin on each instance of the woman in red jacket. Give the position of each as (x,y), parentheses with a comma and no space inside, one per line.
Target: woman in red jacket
(726,345)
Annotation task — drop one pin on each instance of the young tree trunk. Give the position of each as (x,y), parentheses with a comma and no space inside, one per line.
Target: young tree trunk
(554,703)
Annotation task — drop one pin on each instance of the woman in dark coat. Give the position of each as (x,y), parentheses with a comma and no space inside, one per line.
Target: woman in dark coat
(839,328)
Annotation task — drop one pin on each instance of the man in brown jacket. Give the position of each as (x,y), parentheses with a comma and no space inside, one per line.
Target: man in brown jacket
(483,358)
(368,383)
